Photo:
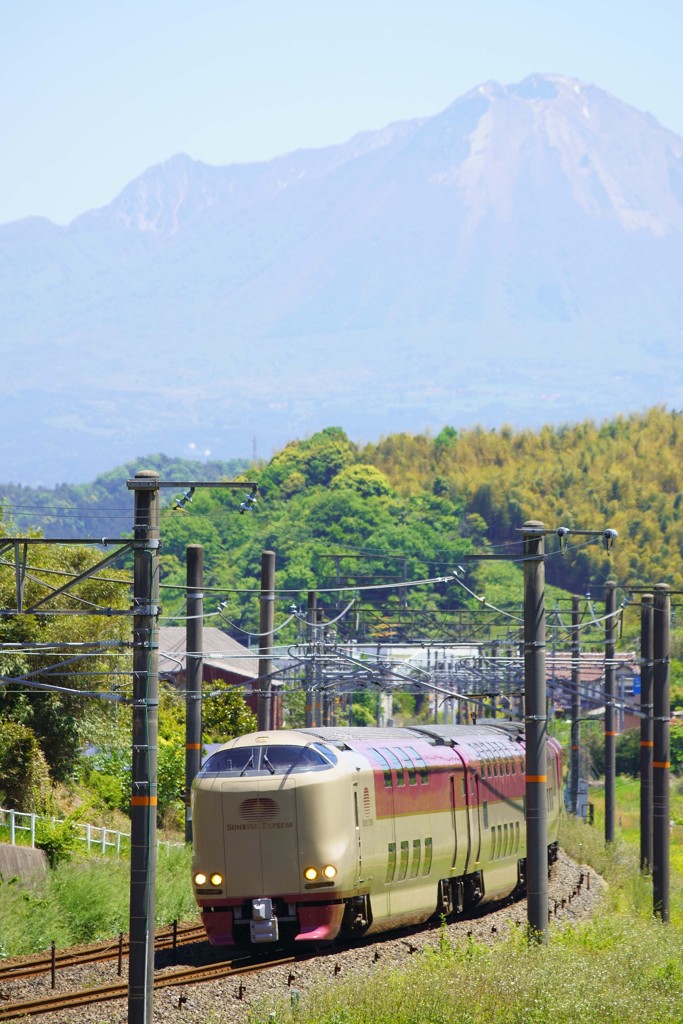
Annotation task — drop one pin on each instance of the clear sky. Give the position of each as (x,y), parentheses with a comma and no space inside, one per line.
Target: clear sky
(95,91)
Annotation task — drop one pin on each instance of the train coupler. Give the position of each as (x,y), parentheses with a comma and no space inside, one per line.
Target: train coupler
(263,926)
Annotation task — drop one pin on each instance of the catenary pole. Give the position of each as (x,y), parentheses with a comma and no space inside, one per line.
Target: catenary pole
(610,693)
(575,760)
(661,752)
(311,620)
(536,730)
(267,622)
(646,731)
(194,663)
(145,739)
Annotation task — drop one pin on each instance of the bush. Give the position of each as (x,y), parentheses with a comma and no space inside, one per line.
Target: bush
(23,768)
(58,839)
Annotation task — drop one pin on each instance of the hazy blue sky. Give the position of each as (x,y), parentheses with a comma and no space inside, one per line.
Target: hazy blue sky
(94,92)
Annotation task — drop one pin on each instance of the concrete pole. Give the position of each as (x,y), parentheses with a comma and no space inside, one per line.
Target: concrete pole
(311,627)
(536,730)
(646,731)
(266,623)
(661,752)
(143,816)
(575,760)
(194,663)
(610,694)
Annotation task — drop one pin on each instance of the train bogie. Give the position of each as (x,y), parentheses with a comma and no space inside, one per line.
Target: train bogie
(301,836)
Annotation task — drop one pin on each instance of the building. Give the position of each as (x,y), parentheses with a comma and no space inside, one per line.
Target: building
(224,660)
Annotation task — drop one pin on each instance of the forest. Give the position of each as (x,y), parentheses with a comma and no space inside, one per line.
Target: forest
(342,518)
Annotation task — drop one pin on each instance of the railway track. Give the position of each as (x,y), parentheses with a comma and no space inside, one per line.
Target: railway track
(184,976)
(165,939)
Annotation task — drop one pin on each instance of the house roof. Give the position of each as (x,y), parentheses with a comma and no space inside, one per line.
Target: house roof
(219,651)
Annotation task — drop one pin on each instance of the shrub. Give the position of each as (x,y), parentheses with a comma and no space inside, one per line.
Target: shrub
(23,768)
(58,839)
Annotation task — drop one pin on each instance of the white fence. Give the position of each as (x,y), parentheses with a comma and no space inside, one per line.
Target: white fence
(96,838)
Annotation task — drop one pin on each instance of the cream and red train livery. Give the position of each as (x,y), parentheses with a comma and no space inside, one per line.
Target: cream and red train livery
(309,834)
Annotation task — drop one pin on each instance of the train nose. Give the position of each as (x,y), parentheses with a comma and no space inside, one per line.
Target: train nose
(261,839)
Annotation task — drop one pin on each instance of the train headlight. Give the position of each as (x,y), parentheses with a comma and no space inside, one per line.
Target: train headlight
(216,879)
(329,871)
(310,874)
(200,878)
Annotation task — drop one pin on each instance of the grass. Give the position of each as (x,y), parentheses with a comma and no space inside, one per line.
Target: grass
(622,966)
(627,792)
(601,973)
(86,900)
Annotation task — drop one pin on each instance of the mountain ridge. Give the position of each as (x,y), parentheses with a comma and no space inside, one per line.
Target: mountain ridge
(466,267)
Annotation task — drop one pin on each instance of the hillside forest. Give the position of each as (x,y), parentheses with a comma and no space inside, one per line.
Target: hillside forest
(346,516)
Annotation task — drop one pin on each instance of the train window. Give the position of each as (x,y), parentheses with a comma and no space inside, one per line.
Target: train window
(421,765)
(407,763)
(228,762)
(485,813)
(391,862)
(505,840)
(427,866)
(326,752)
(396,764)
(493,843)
(385,767)
(507,766)
(275,759)
(415,862)
(403,861)
(516,837)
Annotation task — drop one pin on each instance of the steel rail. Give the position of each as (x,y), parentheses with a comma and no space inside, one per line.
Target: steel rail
(185,976)
(95,953)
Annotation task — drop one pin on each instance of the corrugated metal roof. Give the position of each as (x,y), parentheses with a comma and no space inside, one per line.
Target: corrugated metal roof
(219,651)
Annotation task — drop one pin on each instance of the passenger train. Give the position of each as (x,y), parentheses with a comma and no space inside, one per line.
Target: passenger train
(303,836)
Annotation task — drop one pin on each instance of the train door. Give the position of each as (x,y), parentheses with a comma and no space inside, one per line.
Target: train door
(357,836)
(473,819)
(454,782)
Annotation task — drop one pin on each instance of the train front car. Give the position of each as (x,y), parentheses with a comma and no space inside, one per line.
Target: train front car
(275,851)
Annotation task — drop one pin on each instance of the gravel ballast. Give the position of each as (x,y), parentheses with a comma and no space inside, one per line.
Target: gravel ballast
(219,1001)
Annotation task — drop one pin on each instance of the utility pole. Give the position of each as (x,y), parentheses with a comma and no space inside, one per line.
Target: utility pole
(311,627)
(610,693)
(661,752)
(194,670)
(536,730)
(575,761)
(646,731)
(267,621)
(143,818)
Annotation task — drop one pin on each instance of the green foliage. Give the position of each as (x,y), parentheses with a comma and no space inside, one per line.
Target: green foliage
(90,505)
(88,900)
(56,718)
(24,774)
(58,839)
(626,473)
(226,715)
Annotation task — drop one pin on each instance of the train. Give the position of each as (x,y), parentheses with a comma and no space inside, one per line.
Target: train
(320,834)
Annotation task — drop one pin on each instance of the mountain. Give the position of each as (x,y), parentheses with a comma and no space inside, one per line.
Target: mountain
(517,257)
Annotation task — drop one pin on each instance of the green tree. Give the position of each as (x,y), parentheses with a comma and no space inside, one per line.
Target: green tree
(24,774)
(33,643)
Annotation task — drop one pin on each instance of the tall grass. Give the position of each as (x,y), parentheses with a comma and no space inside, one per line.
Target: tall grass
(88,900)
(621,967)
(604,972)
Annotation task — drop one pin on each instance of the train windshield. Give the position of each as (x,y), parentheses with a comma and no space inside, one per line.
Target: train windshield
(272,759)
